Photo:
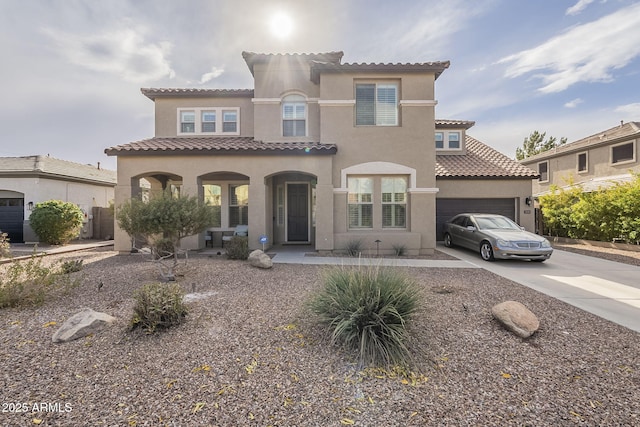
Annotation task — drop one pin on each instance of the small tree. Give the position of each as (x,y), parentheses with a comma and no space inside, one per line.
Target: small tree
(162,222)
(535,144)
(56,222)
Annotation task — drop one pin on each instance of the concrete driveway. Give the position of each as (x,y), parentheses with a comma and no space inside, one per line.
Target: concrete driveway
(608,289)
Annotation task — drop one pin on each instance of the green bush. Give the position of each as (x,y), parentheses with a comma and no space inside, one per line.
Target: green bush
(603,215)
(56,222)
(367,310)
(28,283)
(237,248)
(5,247)
(158,305)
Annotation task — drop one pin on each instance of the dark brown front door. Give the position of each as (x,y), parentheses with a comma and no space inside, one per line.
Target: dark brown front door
(297,212)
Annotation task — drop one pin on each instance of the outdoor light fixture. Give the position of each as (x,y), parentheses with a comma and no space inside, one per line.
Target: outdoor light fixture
(527,200)
(30,206)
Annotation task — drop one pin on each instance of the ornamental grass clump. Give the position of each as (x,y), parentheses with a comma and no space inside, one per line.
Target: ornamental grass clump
(367,310)
(158,305)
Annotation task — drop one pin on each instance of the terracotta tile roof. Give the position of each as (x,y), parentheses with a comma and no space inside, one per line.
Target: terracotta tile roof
(153,93)
(620,133)
(481,161)
(455,124)
(218,145)
(55,168)
(318,68)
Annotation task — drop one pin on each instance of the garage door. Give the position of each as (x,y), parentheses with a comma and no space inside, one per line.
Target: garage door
(446,208)
(11,218)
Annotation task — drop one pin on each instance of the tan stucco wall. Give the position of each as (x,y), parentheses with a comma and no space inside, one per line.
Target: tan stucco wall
(518,189)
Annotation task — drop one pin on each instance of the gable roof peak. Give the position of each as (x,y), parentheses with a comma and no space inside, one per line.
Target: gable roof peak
(252,58)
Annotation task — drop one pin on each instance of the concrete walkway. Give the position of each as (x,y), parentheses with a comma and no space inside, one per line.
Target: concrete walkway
(299,257)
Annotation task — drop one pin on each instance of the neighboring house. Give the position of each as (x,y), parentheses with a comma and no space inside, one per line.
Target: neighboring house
(27,181)
(595,162)
(321,153)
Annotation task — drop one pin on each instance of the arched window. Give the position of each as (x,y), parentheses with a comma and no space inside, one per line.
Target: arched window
(294,115)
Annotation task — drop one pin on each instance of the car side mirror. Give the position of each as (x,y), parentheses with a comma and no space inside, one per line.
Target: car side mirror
(471,228)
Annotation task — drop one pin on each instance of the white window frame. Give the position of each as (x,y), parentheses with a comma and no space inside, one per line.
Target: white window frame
(240,206)
(182,121)
(357,199)
(394,202)
(540,173)
(586,162)
(376,104)
(622,162)
(203,121)
(446,140)
(294,99)
(219,124)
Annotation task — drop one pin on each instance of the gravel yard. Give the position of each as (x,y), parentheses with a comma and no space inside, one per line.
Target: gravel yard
(250,354)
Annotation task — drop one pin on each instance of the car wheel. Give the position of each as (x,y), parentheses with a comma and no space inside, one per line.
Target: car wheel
(447,240)
(486,251)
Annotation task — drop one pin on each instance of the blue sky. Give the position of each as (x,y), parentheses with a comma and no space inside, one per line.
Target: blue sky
(72,69)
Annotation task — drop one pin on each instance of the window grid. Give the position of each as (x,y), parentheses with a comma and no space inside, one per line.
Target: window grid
(543,170)
(360,200)
(213,197)
(229,121)
(208,121)
(376,104)
(187,121)
(238,205)
(394,202)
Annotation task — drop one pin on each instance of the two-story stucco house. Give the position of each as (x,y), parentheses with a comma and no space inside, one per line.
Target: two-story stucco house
(321,152)
(597,161)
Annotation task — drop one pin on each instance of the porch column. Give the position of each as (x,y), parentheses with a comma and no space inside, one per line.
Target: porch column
(257,212)
(324,217)
(122,241)
(190,189)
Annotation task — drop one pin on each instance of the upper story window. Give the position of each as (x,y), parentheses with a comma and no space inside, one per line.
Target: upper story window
(376,104)
(582,162)
(187,121)
(294,115)
(208,121)
(543,171)
(623,153)
(448,140)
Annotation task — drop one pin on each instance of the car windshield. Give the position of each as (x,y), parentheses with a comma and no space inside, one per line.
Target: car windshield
(496,223)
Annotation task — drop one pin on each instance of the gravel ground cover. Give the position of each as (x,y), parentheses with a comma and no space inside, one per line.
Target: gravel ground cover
(250,353)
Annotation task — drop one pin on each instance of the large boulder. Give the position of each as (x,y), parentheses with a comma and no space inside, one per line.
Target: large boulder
(82,324)
(259,259)
(516,317)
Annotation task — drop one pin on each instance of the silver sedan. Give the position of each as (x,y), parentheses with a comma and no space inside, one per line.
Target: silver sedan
(495,236)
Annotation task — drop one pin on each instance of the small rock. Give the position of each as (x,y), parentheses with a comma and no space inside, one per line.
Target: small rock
(259,259)
(516,317)
(82,324)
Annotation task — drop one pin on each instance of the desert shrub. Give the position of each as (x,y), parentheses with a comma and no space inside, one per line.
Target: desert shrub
(26,283)
(56,222)
(5,247)
(162,248)
(399,250)
(237,248)
(354,247)
(367,309)
(71,266)
(158,305)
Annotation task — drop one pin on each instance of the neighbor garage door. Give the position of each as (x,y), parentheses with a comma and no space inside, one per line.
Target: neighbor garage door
(446,208)
(11,218)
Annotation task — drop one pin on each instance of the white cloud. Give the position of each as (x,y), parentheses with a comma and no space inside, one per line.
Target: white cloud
(123,52)
(585,53)
(578,7)
(214,73)
(631,110)
(574,103)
